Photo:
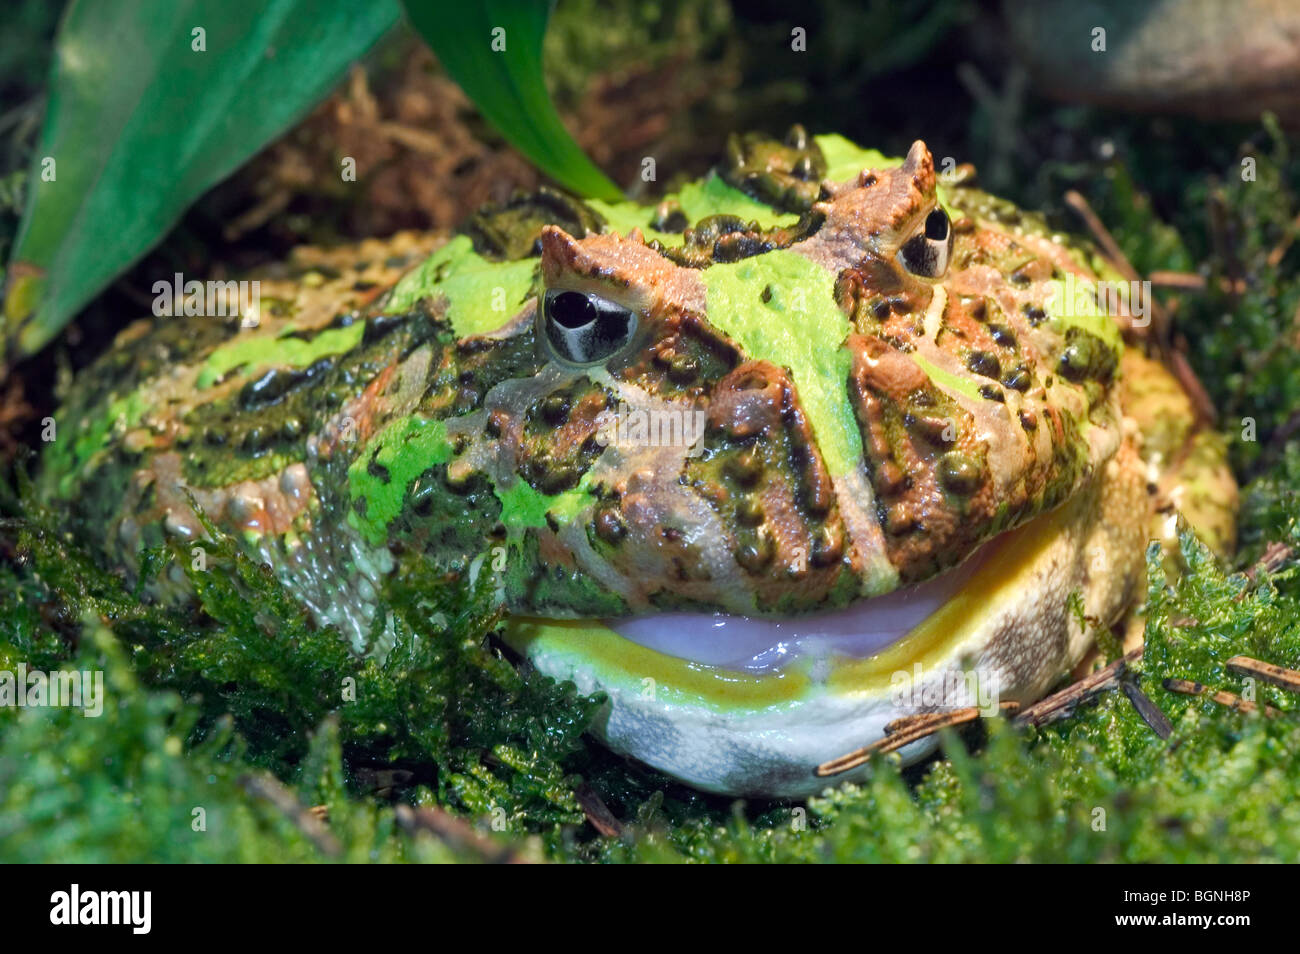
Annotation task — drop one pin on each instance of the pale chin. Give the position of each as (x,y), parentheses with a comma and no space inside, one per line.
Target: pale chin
(764,645)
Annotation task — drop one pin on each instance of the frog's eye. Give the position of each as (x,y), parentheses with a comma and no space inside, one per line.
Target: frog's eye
(585,329)
(926,253)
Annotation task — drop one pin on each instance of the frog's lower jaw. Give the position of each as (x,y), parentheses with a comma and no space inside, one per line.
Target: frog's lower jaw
(1005,633)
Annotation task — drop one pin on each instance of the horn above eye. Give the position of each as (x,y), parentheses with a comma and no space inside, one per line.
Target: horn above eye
(583,328)
(927,252)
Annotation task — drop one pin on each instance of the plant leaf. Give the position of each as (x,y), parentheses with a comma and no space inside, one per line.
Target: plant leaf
(141,122)
(493,49)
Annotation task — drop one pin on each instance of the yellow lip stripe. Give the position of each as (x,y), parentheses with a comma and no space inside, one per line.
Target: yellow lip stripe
(618,663)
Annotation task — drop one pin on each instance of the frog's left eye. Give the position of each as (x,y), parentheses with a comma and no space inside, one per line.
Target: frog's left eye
(926,253)
(584,328)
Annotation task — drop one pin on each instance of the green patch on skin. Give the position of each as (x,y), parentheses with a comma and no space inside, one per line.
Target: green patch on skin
(481,295)
(263,351)
(799,327)
(1077,307)
(699,200)
(405,449)
(946,379)
(712,196)
(845,159)
(522,506)
(623,217)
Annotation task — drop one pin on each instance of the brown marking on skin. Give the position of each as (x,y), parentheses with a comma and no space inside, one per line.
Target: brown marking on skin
(682,357)
(362,411)
(925,522)
(267,507)
(756,405)
(552,552)
(873,212)
(625,270)
(878,293)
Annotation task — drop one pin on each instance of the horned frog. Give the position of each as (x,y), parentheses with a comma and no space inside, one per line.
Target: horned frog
(818,442)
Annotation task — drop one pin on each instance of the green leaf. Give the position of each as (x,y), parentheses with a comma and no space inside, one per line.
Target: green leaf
(493,49)
(141,122)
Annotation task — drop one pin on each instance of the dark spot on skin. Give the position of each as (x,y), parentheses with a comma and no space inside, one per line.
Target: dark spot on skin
(421,497)
(755,555)
(1018,379)
(766,295)
(1086,357)
(271,387)
(959,474)
(744,467)
(683,369)
(610,526)
(1028,420)
(985,364)
(1035,315)
(935,430)
(750,511)
(828,547)
(256,440)
(380,326)
(991,392)
(555,409)
(458,479)
(669,217)
(378,471)
(1003,335)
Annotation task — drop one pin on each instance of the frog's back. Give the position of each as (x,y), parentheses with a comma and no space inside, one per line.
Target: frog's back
(228,404)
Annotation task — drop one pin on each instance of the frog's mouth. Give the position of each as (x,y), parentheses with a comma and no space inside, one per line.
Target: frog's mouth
(728,662)
(753,706)
(767,645)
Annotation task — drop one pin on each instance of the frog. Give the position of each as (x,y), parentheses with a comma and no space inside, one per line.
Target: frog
(815,443)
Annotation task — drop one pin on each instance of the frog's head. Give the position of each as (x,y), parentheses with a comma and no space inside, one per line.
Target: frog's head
(743,476)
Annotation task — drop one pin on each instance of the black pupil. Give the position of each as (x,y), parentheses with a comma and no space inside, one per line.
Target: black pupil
(572,310)
(936,225)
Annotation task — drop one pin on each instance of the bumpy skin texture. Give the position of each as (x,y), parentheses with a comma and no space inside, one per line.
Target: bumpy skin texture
(865,427)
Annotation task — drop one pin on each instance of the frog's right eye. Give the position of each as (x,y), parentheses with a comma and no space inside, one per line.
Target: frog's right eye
(583,328)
